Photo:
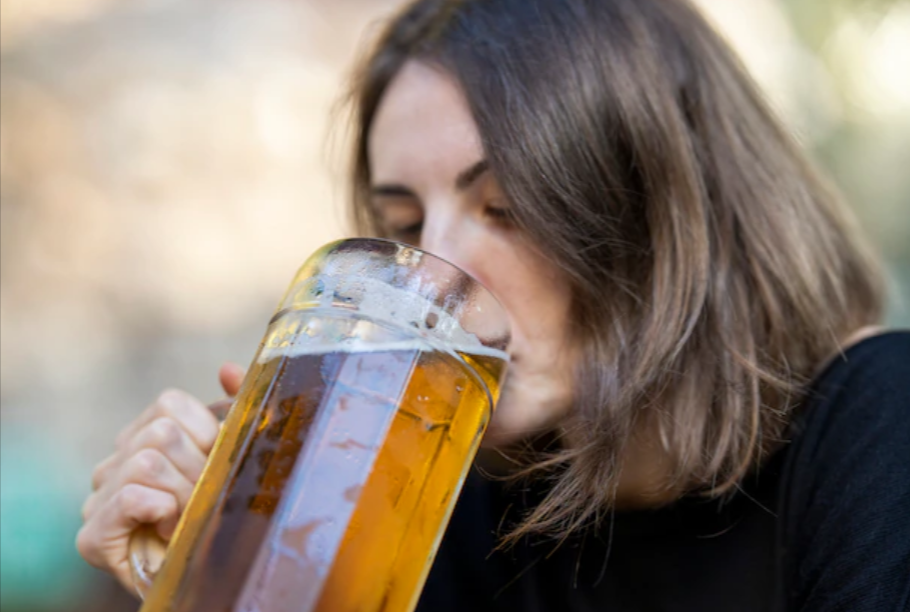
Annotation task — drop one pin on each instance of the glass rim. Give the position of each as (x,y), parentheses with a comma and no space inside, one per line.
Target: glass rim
(424,253)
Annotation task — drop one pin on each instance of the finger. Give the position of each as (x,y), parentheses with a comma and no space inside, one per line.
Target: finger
(104,540)
(231,377)
(102,479)
(190,413)
(166,527)
(221,408)
(102,471)
(88,508)
(168,437)
(161,456)
(149,467)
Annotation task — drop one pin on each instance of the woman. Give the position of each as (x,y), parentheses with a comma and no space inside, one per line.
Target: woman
(715,419)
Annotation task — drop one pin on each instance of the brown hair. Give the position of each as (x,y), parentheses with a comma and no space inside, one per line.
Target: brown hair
(712,269)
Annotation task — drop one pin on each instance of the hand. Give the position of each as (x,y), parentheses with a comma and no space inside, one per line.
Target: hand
(149,478)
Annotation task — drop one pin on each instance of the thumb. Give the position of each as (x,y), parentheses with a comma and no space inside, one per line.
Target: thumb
(231,377)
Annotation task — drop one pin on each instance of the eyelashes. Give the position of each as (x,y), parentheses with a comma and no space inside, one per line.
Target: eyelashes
(501,214)
(501,217)
(406,234)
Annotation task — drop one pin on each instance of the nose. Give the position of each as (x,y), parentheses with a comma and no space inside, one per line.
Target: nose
(457,239)
(444,235)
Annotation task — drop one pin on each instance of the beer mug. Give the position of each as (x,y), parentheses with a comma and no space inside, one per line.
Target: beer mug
(338,466)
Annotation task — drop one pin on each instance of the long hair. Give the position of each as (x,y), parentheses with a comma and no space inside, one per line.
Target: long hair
(712,269)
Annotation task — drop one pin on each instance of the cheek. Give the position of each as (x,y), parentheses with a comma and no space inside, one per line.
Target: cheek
(533,294)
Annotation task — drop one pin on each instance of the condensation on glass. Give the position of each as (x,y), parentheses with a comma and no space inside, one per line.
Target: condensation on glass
(339,464)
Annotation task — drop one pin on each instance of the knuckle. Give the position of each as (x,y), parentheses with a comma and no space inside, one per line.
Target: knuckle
(132,499)
(206,436)
(99,475)
(148,464)
(165,433)
(85,543)
(104,470)
(88,547)
(88,507)
(173,402)
(171,508)
(145,505)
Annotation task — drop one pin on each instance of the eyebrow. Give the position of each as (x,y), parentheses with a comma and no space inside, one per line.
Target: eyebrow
(465,179)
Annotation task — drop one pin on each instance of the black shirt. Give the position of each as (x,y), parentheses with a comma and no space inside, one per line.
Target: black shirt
(824,525)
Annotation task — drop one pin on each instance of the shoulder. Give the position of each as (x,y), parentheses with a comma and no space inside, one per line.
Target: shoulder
(867,386)
(846,482)
(879,364)
(858,408)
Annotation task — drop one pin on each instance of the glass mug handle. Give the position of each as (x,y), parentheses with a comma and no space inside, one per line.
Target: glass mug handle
(146,548)
(146,554)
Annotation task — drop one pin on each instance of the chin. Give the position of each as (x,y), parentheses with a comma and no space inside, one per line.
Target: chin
(525,410)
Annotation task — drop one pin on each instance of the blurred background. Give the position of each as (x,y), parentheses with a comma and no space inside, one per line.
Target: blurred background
(165,167)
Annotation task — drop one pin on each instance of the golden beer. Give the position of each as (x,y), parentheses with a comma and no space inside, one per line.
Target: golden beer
(335,473)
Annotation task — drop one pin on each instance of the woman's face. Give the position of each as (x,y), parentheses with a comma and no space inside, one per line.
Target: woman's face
(431,188)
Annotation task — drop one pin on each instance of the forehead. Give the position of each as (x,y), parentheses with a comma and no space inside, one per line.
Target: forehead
(423,128)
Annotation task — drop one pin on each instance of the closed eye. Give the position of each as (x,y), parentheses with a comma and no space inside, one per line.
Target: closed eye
(409,234)
(502,215)
(398,212)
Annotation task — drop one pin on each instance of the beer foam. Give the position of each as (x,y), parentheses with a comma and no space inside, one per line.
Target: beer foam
(374,298)
(360,346)
(405,306)
(308,337)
